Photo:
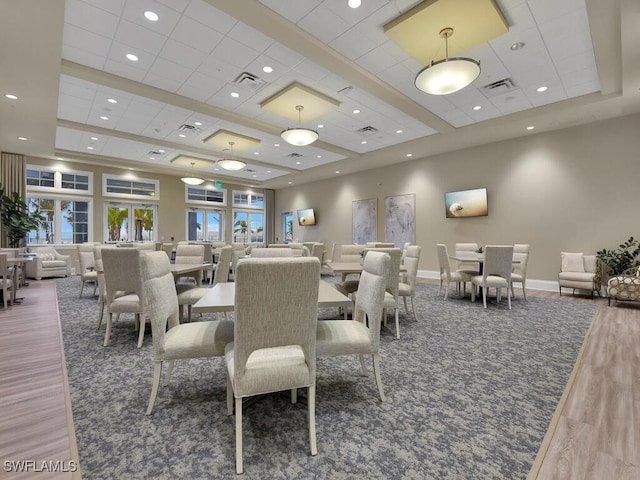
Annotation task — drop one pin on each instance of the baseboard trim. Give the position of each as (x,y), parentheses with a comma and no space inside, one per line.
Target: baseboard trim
(545,285)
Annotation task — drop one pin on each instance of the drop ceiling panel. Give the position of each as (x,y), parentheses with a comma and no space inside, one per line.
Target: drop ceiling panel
(222,139)
(101,21)
(165,24)
(191,161)
(284,103)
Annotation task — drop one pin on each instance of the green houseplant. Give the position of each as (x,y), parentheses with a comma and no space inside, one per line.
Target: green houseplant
(622,258)
(16,218)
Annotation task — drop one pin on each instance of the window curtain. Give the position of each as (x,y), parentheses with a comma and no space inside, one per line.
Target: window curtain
(269,216)
(13,179)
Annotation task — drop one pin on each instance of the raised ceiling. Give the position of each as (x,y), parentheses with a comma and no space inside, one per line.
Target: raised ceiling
(66,59)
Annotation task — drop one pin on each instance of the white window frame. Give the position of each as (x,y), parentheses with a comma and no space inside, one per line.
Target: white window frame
(57,225)
(131,221)
(131,196)
(211,205)
(205,212)
(249,213)
(250,196)
(57,181)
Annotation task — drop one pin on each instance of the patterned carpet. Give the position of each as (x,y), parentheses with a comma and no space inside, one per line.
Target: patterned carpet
(470,393)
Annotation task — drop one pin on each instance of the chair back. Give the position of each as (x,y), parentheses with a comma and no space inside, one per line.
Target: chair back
(99,266)
(121,268)
(498,261)
(221,274)
(271,252)
(521,248)
(393,276)
(276,305)
(411,260)
(186,253)
(351,253)
(467,250)
(4,266)
(520,261)
(160,299)
(147,246)
(443,260)
(317,250)
(370,299)
(85,257)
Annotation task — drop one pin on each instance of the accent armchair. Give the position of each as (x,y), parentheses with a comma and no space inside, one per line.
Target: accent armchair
(48,263)
(579,271)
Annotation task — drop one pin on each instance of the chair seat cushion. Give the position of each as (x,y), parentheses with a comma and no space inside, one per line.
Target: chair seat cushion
(270,370)
(404,289)
(198,339)
(389,300)
(90,275)
(191,295)
(6,282)
(348,286)
(577,276)
(125,304)
(342,337)
(492,281)
(516,277)
(54,264)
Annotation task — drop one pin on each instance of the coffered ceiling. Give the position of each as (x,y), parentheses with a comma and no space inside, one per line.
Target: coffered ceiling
(210,66)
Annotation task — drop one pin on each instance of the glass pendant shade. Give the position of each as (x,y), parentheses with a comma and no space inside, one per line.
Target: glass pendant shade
(192,179)
(299,136)
(231,163)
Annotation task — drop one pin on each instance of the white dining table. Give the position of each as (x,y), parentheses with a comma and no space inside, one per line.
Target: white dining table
(222,298)
(17,262)
(345,268)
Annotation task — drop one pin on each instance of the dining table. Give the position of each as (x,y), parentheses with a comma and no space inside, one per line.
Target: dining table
(345,268)
(222,298)
(17,263)
(180,268)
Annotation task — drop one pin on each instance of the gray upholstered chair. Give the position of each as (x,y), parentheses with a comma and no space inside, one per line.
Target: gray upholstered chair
(6,280)
(271,252)
(519,268)
(171,340)
(407,285)
(498,262)
(87,266)
(327,259)
(446,275)
(349,254)
(48,263)
(102,289)
(360,336)
(189,254)
(467,250)
(579,271)
(123,283)
(274,346)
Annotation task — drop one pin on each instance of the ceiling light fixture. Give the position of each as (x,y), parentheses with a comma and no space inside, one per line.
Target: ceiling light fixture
(299,136)
(192,180)
(449,74)
(231,163)
(354,3)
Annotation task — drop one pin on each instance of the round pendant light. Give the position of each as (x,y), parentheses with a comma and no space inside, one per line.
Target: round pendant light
(299,136)
(231,163)
(192,180)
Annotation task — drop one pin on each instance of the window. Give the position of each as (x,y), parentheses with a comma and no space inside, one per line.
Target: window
(287,225)
(67,219)
(129,222)
(248,227)
(248,199)
(119,186)
(206,196)
(205,225)
(47,179)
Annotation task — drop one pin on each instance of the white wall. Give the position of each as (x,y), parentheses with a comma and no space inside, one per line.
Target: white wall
(573,189)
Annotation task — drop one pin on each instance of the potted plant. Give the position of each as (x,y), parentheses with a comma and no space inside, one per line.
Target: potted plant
(622,258)
(16,218)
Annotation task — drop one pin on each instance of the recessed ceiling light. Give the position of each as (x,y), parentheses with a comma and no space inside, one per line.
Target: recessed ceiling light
(94,138)
(22,138)
(268,171)
(152,158)
(132,57)
(398,131)
(542,89)
(276,144)
(197,124)
(112,100)
(356,111)
(151,16)
(267,69)
(320,126)
(409,154)
(297,163)
(89,148)
(104,117)
(337,171)
(11,96)
(363,142)
(289,183)
(161,150)
(254,176)
(354,3)
(182,135)
(235,94)
(478,107)
(319,156)
(516,46)
(531,127)
(256,153)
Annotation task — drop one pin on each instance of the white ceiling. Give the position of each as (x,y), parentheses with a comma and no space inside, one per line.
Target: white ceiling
(66,59)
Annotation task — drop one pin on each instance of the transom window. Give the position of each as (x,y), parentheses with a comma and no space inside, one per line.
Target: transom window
(50,180)
(248,199)
(121,186)
(206,196)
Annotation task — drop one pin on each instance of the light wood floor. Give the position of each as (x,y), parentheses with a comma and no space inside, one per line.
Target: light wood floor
(35,409)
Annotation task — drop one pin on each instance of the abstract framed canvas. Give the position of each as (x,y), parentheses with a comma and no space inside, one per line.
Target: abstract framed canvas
(365,220)
(399,219)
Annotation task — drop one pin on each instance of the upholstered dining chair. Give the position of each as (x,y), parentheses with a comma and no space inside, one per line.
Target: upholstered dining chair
(467,250)
(172,340)
(188,295)
(447,276)
(123,283)
(271,252)
(407,285)
(190,254)
(498,262)
(349,254)
(6,281)
(360,336)
(87,264)
(274,346)
(102,289)
(519,268)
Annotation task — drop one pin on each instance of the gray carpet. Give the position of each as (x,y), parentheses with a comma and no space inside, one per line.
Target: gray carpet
(470,393)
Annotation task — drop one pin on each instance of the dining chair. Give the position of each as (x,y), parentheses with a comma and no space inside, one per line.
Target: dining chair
(274,346)
(102,289)
(360,336)
(87,266)
(123,283)
(328,259)
(498,262)
(407,285)
(349,254)
(190,254)
(447,276)
(519,268)
(467,250)
(208,258)
(188,295)
(172,340)
(6,280)
(271,252)
(317,250)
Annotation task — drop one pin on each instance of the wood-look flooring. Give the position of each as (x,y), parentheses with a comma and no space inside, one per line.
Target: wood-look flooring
(594,434)
(36,424)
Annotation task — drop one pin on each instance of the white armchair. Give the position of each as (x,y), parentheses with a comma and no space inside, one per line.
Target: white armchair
(48,263)
(579,271)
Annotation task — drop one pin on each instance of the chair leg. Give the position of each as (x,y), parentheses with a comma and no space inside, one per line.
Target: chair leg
(376,371)
(413,307)
(524,292)
(167,376)
(108,332)
(189,313)
(406,309)
(509,297)
(484,296)
(229,396)
(397,323)
(100,314)
(440,288)
(157,371)
(141,321)
(239,434)
(95,287)
(294,396)
(363,365)
(446,291)
(81,288)
(311,406)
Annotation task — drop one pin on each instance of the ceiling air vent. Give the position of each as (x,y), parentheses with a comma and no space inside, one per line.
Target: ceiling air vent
(367,131)
(499,87)
(185,127)
(154,152)
(294,155)
(250,81)
(249,170)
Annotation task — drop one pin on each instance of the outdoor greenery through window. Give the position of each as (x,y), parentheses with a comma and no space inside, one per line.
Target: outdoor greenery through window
(126,223)
(248,227)
(205,225)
